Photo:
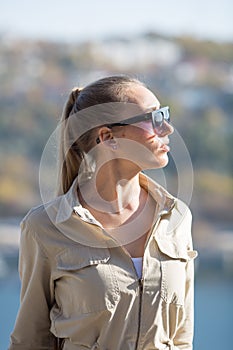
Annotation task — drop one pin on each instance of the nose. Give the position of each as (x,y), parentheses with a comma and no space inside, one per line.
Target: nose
(165,129)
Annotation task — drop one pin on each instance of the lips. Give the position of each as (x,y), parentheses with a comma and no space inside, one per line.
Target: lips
(165,147)
(163,144)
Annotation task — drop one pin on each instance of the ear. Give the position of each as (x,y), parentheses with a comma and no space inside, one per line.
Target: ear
(104,134)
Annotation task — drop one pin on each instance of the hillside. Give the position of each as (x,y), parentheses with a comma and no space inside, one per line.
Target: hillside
(195,78)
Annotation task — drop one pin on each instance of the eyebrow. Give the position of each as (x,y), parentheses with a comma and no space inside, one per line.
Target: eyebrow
(152,108)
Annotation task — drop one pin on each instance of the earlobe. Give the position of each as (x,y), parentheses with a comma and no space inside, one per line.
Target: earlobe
(113,144)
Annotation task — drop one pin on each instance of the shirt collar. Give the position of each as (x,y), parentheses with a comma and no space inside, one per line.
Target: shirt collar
(78,224)
(162,197)
(69,202)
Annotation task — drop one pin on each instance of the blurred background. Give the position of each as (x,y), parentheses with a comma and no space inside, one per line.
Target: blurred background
(183,51)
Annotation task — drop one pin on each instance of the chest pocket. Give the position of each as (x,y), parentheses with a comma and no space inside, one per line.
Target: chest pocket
(86,282)
(174,257)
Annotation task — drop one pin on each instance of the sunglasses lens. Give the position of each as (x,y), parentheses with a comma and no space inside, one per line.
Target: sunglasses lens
(158,117)
(167,115)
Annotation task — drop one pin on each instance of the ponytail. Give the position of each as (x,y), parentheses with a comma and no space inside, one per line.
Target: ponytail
(70,159)
(70,104)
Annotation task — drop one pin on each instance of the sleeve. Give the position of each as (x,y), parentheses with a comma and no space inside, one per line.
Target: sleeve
(184,336)
(32,327)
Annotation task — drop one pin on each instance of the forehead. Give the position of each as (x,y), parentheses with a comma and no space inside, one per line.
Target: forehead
(144,98)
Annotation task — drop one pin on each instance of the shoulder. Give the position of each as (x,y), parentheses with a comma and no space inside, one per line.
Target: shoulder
(177,221)
(35,227)
(180,218)
(35,218)
(180,223)
(182,209)
(38,229)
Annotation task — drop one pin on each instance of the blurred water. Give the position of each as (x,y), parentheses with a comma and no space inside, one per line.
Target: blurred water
(213,312)
(9,303)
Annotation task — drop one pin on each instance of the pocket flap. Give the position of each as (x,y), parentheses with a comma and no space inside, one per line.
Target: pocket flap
(80,257)
(175,249)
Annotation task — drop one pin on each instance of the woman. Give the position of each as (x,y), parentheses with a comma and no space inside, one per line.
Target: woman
(108,264)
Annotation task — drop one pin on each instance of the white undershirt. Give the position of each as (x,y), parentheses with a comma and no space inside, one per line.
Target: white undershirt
(138,265)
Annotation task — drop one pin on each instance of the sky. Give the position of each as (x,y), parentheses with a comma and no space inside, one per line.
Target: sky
(80,20)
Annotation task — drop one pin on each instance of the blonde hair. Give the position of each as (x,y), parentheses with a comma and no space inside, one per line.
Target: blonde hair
(109,89)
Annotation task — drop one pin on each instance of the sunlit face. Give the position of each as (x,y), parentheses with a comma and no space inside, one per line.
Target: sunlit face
(143,133)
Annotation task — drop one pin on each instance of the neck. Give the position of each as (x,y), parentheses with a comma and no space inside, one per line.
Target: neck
(114,189)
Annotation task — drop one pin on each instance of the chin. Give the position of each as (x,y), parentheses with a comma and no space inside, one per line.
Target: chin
(164,161)
(156,163)
(161,161)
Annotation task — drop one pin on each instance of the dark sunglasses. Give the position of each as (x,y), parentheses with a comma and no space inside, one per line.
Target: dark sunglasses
(157,117)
